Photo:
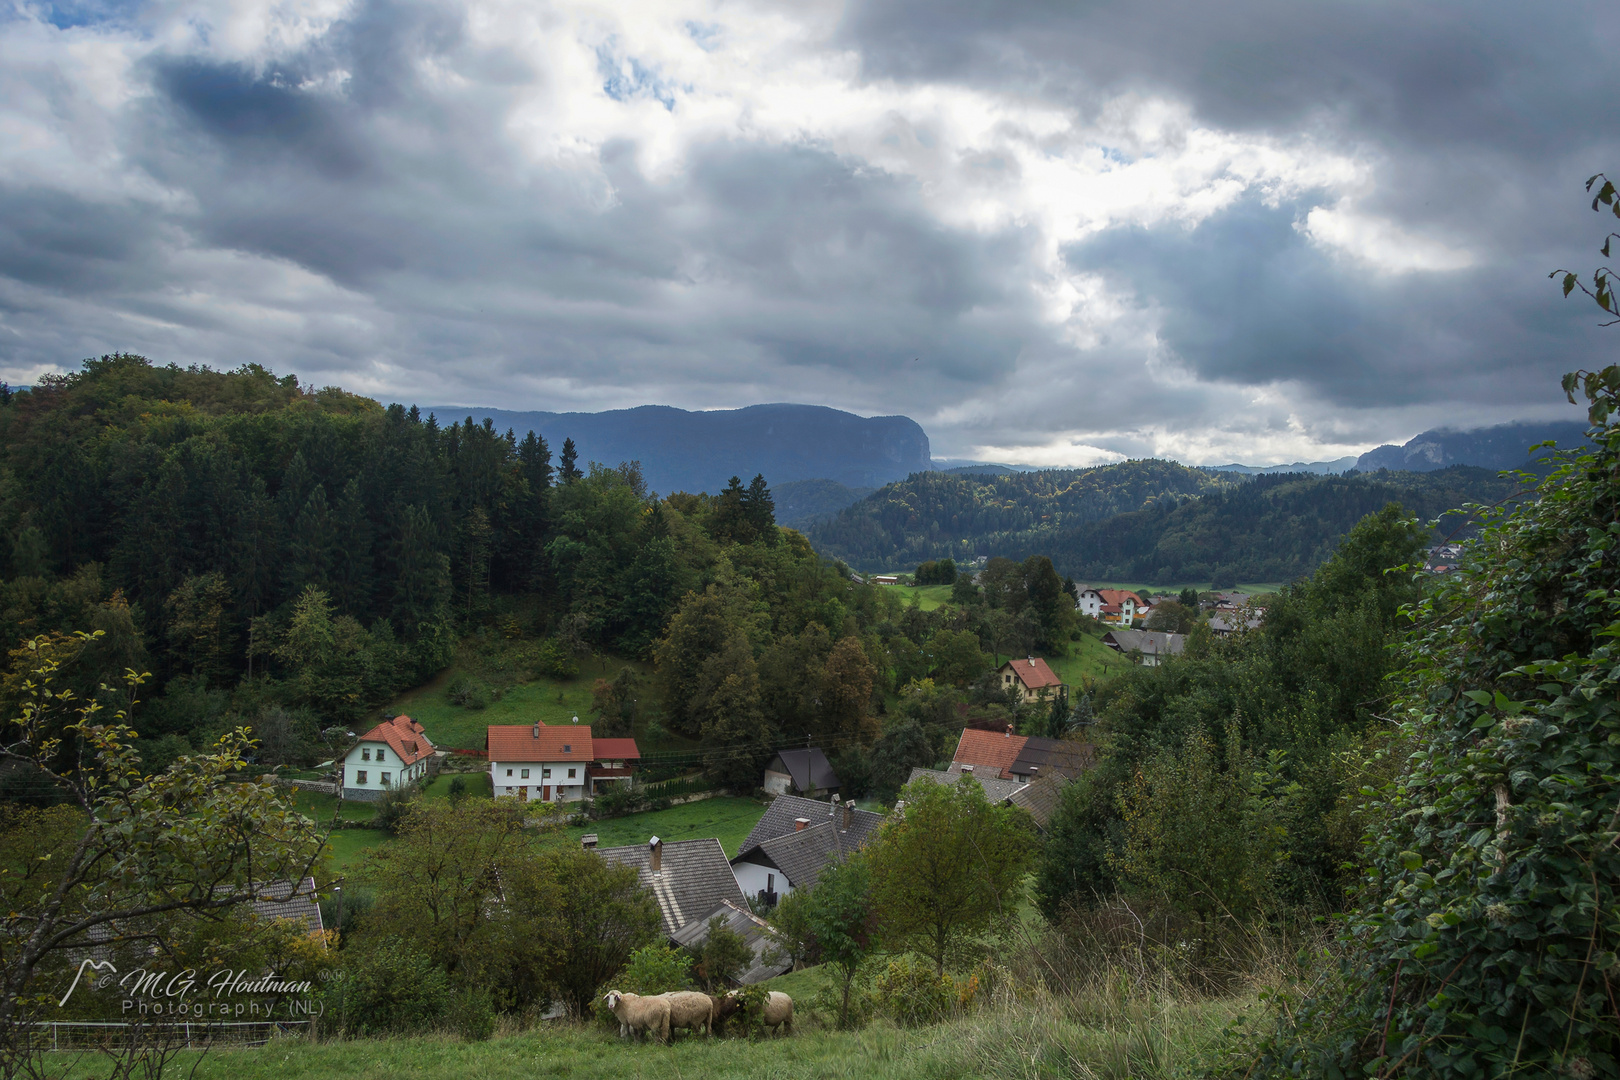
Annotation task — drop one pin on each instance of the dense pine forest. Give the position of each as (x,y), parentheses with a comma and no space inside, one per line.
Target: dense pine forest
(1152,521)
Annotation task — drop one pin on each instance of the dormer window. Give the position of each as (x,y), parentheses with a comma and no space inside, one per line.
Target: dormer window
(568,748)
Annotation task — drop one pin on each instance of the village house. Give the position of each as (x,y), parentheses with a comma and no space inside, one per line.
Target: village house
(1120,607)
(789,846)
(393,754)
(1146,647)
(690,879)
(1032,680)
(800,772)
(556,763)
(988,753)
(761,938)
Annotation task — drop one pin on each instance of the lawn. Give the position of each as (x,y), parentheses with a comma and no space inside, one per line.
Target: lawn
(730,819)
(348,845)
(1089,659)
(929,597)
(550,701)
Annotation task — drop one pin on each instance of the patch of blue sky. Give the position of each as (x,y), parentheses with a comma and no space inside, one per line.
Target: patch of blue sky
(67,14)
(705,35)
(626,78)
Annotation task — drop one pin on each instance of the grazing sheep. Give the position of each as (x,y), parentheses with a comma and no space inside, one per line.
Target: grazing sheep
(778,1011)
(639,1014)
(725,1007)
(690,1009)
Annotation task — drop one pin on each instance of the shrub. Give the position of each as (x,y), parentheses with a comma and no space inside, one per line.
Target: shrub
(471,1014)
(655,969)
(468,693)
(391,988)
(911,993)
(724,957)
(458,789)
(616,800)
(554,661)
(392,808)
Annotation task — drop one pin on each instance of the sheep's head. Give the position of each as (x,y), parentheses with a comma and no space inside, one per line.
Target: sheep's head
(612,999)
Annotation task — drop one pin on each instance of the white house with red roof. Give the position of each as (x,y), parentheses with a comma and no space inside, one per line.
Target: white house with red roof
(1032,679)
(393,754)
(556,763)
(1120,607)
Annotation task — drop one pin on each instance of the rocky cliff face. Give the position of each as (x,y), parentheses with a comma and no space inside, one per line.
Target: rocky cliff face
(700,451)
(1503,447)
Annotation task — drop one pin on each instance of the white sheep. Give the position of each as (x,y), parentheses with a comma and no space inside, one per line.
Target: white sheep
(690,1009)
(639,1014)
(778,1011)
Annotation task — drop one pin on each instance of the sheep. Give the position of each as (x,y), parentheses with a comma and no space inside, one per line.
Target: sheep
(725,1007)
(778,1011)
(690,1009)
(639,1014)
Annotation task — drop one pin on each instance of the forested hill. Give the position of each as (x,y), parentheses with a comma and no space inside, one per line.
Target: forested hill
(1153,521)
(932,514)
(1270,528)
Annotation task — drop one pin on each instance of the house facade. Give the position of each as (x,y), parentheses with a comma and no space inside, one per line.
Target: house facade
(1119,607)
(393,754)
(797,837)
(552,764)
(1032,679)
(800,772)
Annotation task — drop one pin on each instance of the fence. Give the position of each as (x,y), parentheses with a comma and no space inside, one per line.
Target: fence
(92,1034)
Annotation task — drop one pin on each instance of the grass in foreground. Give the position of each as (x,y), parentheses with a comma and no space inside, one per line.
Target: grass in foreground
(1031,1039)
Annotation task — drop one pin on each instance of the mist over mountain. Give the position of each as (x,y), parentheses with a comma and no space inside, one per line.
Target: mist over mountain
(700,451)
(1502,447)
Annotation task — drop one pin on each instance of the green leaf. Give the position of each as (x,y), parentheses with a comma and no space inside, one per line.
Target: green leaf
(1478,697)
(1411,860)
(1569,283)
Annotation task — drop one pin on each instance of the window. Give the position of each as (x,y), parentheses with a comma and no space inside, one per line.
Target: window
(525,774)
(365,753)
(770,882)
(506,791)
(360,777)
(508,772)
(568,748)
(384,779)
(571,774)
(545,774)
(382,755)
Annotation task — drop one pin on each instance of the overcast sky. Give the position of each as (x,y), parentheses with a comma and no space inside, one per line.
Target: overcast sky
(1055,233)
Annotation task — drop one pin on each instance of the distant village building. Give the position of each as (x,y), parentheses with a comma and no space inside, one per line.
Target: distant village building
(690,879)
(1120,607)
(1032,679)
(391,755)
(556,763)
(788,847)
(800,772)
(884,579)
(1146,647)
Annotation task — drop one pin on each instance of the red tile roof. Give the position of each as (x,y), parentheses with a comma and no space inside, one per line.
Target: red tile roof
(406,737)
(1118,596)
(1034,673)
(615,750)
(990,749)
(537,742)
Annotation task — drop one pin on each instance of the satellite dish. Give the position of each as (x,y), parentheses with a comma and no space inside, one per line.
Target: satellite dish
(576,719)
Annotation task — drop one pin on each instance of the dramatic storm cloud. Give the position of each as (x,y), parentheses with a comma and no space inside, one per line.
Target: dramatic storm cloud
(1049,232)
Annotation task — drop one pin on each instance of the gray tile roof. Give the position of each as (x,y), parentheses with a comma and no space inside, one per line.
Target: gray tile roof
(1150,642)
(801,855)
(995,788)
(1040,798)
(281,900)
(780,815)
(769,960)
(695,877)
(810,769)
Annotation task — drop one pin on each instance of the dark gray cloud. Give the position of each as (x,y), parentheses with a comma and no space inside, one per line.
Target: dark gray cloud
(566,212)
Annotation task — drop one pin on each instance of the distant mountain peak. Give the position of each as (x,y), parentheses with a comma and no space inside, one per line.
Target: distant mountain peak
(1505,446)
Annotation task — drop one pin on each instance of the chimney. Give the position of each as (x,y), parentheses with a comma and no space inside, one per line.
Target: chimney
(588,841)
(1009,731)
(832,804)
(967,768)
(799,823)
(655,847)
(849,813)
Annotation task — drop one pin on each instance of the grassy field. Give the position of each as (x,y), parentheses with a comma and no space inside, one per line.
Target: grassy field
(929,596)
(1031,1040)
(1088,658)
(726,818)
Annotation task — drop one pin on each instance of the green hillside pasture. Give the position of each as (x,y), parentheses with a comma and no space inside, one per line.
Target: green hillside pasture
(728,819)
(928,596)
(1045,1038)
(1088,658)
